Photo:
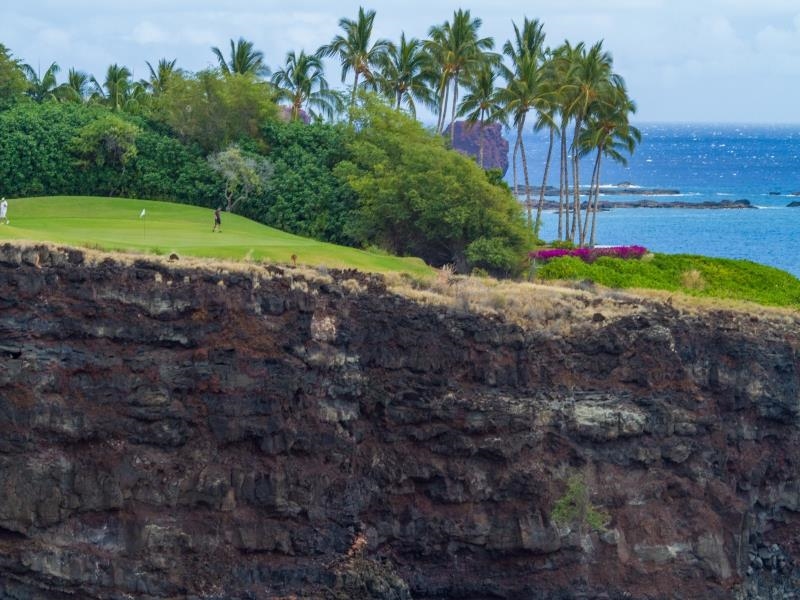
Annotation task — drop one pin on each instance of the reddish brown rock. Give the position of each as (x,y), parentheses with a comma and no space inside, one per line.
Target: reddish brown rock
(468,141)
(177,432)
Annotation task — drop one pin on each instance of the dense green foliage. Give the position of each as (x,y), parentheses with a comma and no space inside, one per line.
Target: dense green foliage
(418,198)
(12,79)
(215,110)
(694,275)
(303,195)
(54,148)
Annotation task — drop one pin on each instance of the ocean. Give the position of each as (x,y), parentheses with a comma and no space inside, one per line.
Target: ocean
(759,163)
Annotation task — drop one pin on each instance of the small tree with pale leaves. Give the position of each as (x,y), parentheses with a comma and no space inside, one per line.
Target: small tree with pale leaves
(244,174)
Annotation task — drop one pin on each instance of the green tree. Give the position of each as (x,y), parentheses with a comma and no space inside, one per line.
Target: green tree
(13,83)
(592,82)
(244,59)
(356,51)
(77,87)
(302,82)
(107,141)
(161,75)
(116,88)
(418,198)
(44,87)
(304,196)
(608,131)
(244,174)
(404,73)
(216,110)
(524,91)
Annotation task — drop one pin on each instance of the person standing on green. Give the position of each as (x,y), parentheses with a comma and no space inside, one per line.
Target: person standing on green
(217,221)
(4,211)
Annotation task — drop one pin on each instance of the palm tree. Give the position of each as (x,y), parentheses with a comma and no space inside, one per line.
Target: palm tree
(608,131)
(116,87)
(161,75)
(45,87)
(77,86)
(355,51)
(244,59)
(458,50)
(592,77)
(525,90)
(482,104)
(403,74)
(302,82)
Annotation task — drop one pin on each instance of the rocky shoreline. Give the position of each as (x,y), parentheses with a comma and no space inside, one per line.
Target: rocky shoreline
(648,203)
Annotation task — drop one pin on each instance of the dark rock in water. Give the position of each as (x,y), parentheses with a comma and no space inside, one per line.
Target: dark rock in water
(495,146)
(794,204)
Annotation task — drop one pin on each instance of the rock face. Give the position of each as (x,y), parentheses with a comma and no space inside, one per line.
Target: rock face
(177,432)
(495,146)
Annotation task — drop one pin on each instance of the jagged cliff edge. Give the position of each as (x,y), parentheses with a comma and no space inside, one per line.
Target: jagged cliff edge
(203,432)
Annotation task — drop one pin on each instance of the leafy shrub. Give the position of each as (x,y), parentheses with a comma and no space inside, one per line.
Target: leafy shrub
(575,508)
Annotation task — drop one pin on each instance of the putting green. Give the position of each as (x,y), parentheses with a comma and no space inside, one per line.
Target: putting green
(166,227)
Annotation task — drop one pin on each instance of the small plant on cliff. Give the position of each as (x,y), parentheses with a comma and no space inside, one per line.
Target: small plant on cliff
(575,508)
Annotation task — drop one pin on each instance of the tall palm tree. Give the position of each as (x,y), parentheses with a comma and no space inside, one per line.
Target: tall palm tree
(591,79)
(482,104)
(160,76)
(44,87)
(403,75)
(355,50)
(525,90)
(302,82)
(244,59)
(607,131)
(116,87)
(458,50)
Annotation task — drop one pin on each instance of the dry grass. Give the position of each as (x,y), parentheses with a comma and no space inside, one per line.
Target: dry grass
(556,307)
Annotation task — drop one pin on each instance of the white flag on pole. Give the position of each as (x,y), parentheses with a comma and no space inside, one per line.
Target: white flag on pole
(141,214)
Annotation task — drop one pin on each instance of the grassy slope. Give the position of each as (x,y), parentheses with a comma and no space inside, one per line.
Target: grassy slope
(114,224)
(699,276)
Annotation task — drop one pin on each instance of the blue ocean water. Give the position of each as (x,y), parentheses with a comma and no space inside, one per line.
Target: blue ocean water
(760,163)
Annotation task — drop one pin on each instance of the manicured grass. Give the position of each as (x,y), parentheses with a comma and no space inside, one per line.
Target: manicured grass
(694,275)
(115,224)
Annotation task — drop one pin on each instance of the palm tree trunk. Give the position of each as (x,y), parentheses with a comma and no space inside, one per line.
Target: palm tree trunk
(480,144)
(563,192)
(444,95)
(514,165)
(576,185)
(353,98)
(596,201)
(528,203)
(538,222)
(453,111)
(594,191)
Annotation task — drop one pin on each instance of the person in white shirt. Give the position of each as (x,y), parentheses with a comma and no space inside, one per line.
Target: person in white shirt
(4,211)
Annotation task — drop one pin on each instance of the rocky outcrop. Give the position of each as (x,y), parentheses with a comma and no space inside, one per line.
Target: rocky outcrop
(467,140)
(190,432)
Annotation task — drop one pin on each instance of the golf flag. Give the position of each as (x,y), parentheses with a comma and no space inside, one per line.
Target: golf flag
(141,214)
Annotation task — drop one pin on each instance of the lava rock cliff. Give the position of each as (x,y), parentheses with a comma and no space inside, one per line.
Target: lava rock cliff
(169,431)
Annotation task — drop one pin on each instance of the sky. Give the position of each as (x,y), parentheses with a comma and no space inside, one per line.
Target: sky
(703,61)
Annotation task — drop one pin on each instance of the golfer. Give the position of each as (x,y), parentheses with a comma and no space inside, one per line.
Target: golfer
(217,221)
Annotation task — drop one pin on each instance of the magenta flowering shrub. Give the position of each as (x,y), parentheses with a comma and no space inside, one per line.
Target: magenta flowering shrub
(590,254)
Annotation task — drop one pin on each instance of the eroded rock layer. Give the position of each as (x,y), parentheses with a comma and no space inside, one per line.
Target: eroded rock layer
(176,432)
